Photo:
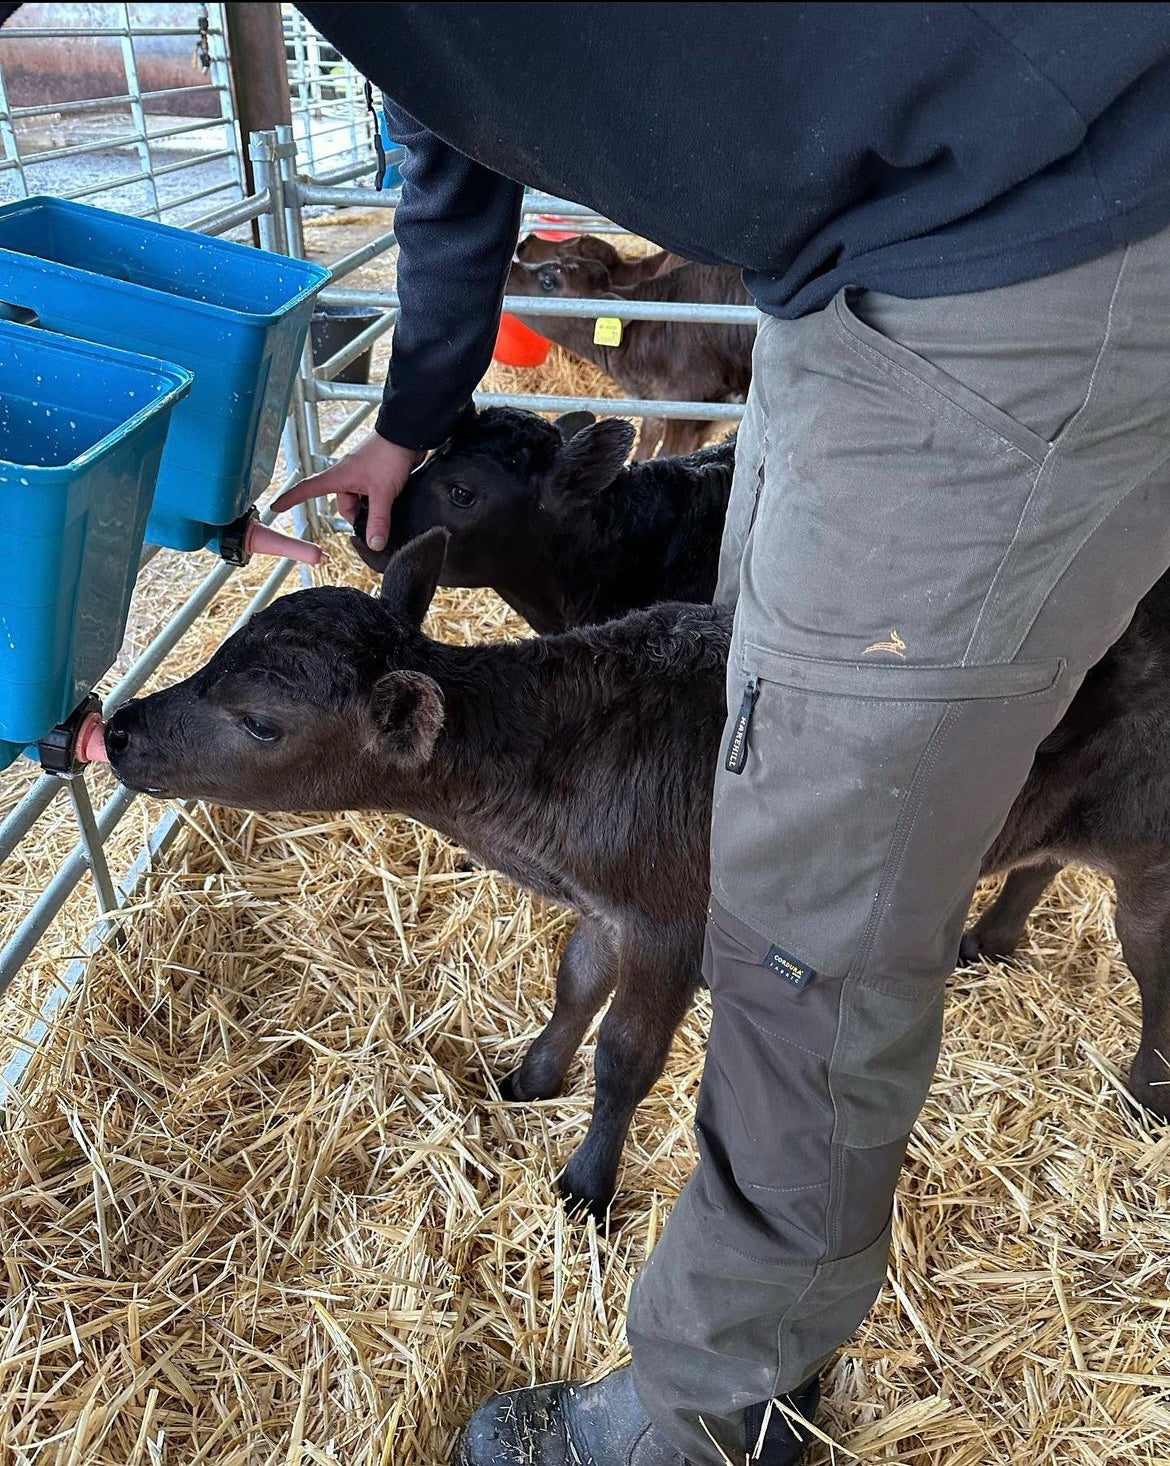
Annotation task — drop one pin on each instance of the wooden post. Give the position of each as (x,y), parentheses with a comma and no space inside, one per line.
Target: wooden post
(259,74)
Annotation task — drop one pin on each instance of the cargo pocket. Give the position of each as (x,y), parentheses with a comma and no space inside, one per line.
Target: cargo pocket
(823,765)
(931,386)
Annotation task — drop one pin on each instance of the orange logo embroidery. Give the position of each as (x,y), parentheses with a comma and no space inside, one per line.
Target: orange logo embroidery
(895,645)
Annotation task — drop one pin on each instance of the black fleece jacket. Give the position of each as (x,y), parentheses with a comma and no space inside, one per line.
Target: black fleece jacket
(919,149)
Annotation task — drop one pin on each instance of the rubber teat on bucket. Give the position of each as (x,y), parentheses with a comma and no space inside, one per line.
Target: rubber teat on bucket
(260,540)
(91,741)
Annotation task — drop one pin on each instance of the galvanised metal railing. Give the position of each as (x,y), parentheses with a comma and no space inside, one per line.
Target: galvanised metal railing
(327,97)
(214,167)
(319,386)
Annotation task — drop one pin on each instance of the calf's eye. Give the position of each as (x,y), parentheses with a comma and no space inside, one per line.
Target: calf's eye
(259,730)
(548,281)
(462,498)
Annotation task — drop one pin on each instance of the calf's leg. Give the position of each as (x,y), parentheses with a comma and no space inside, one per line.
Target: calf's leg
(653,994)
(649,438)
(998,931)
(1143,927)
(585,978)
(682,435)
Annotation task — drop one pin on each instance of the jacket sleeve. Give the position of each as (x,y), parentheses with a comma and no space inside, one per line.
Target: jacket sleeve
(456,227)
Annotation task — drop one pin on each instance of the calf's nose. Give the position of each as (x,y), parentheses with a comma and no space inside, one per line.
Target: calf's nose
(117,739)
(121,725)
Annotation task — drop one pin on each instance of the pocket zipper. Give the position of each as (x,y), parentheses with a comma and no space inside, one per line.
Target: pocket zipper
(737,750)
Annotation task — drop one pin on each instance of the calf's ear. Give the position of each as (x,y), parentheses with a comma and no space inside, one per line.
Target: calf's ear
(408,587)
(466,421)
(593,457)
(407,712)
(569,424)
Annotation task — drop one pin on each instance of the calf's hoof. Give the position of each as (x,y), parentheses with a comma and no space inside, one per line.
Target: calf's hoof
(583,1195)
(985,943)
(1149,1083)
(516,1091)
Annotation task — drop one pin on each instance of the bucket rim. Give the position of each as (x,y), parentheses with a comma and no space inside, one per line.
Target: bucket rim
(181,381)
(319,276)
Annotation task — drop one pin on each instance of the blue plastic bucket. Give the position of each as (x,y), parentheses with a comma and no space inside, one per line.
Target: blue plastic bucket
(392,177)
(82,430)
(234,316)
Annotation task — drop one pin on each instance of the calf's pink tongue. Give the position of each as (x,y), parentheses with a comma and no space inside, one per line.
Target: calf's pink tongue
(91,741)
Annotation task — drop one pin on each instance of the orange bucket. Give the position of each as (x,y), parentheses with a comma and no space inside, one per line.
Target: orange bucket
(519,345)
(547,233)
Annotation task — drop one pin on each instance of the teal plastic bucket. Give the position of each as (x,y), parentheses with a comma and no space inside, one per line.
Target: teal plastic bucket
(82,431)
(234,316)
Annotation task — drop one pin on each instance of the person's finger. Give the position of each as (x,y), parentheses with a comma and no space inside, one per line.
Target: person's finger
(348,505)
(331,481)
(378,515)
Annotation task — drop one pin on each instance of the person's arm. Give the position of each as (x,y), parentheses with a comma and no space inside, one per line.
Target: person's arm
(456,228)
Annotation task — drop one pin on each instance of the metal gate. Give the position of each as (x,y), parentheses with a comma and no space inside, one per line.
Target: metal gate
(147,163)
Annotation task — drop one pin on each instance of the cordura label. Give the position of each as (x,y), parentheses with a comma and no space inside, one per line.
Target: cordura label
(790,968)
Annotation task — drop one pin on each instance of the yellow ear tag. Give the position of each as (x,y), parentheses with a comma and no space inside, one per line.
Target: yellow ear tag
(607,331)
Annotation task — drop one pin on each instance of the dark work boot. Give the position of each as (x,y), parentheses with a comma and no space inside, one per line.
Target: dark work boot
(598,1425)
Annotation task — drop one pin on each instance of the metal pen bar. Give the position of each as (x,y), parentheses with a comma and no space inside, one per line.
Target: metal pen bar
(25,813)
(230,218)
(304,409)
(8,139)
(138,116)
(103,104)
(368,198)
(91,845)
(215,156)
(613,406)
(362,255)
(350,425)
(111,185)
(220,76)
(340,124)
(362,198)
(70,33)
(64,882)
(530,305)
(200,193)
(124,140)
(340,175)
(547,402)
(159,840)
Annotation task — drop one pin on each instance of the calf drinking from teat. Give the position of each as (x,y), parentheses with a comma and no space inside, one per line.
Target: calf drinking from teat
(580,766)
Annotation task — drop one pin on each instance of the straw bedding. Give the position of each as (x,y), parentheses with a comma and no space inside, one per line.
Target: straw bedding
(260,1201)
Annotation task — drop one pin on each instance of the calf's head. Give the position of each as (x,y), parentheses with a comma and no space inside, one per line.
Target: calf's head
(510,489)
(321,702)
(569,276)
(532,250)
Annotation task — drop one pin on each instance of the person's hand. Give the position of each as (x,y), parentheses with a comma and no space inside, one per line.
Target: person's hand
(376,471)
